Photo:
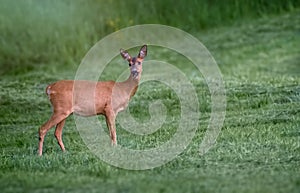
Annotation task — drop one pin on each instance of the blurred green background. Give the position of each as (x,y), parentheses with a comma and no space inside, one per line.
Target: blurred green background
(256,44)
(36,32)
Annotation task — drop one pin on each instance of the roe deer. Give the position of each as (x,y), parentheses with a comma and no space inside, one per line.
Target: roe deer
(110,97)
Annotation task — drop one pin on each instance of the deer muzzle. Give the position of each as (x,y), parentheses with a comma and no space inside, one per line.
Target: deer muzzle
(134,73)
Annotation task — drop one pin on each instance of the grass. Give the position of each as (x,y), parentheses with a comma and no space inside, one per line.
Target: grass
(258,149)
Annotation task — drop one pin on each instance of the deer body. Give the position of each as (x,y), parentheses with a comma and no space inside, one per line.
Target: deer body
(91,98)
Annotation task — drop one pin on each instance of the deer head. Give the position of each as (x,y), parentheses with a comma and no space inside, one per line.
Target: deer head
(135,63)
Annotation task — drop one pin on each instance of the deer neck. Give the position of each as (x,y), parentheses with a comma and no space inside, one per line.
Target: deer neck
(130,85)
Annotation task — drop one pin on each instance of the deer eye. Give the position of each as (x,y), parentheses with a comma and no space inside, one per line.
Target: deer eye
(139,63)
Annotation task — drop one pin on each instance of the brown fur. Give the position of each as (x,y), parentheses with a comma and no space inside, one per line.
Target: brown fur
(87,98)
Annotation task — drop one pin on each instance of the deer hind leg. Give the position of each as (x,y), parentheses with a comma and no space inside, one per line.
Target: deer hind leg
(110,121)
(58,134)
(54,120)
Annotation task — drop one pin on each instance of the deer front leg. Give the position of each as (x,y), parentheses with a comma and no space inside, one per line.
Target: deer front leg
(110,121)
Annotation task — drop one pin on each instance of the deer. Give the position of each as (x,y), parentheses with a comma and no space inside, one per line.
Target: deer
(110,98)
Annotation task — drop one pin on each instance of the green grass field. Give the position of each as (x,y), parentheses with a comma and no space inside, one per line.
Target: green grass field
(258,149)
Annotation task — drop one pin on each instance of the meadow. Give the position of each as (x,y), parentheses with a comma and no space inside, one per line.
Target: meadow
(256,45)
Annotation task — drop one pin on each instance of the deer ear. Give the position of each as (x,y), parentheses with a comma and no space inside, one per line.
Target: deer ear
(143,52)
(125,55)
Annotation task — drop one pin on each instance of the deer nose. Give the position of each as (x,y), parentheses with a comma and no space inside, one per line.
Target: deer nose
(134,73)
